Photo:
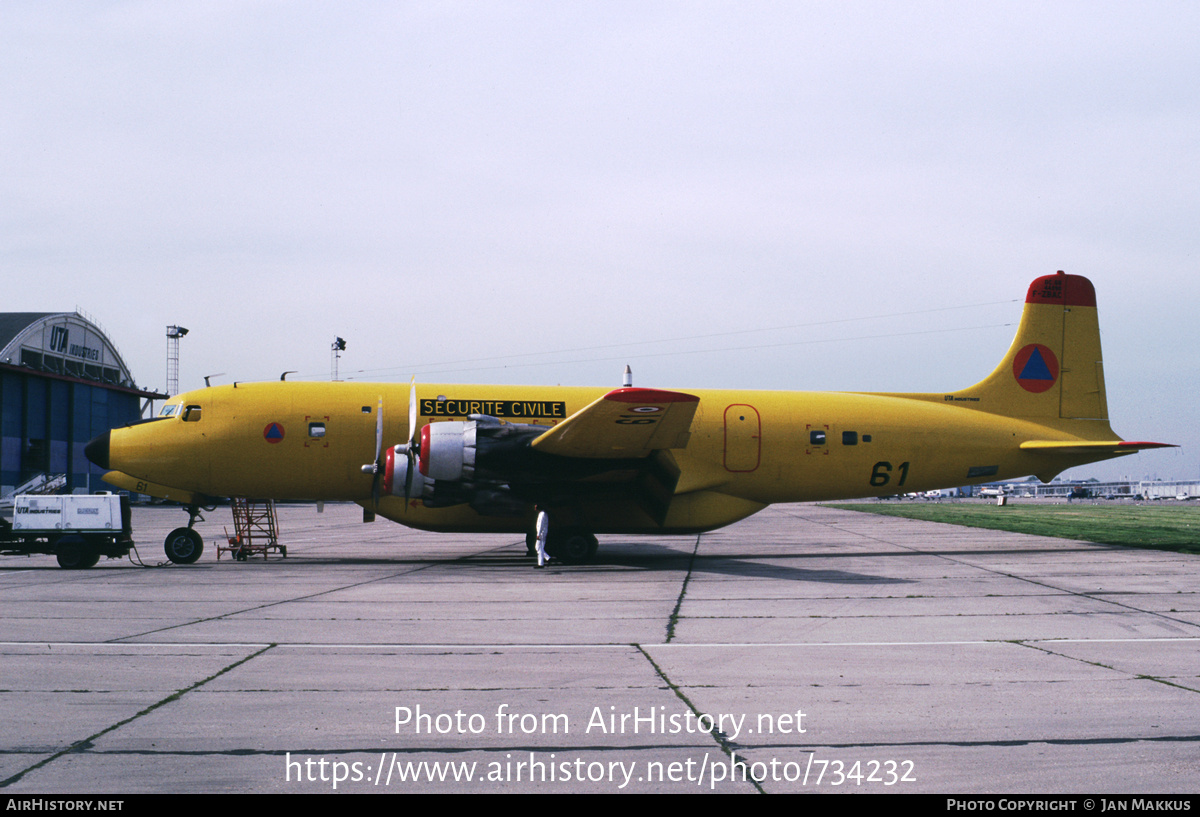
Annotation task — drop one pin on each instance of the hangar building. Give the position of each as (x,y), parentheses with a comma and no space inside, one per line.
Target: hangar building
(62,382)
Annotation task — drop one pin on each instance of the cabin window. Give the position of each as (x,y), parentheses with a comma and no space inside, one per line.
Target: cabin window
(866,438)
(366,409)
(191,414)
(316,430)
(816,437)
(849,438)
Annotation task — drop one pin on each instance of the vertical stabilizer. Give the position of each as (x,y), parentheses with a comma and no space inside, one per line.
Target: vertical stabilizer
(1053,369)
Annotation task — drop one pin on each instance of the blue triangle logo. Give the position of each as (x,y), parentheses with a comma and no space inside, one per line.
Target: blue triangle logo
(1035,368)
(275,432)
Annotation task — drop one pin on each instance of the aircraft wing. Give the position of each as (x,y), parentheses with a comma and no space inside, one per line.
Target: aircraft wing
(625,423)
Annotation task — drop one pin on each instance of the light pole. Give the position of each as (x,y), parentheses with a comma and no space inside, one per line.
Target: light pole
(174,333)
(335,349)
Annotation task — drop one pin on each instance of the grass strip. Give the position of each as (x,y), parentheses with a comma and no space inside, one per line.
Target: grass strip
(1172,527)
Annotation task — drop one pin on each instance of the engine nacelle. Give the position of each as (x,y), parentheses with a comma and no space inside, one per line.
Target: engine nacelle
(448,450)
(464,462)
(396,477)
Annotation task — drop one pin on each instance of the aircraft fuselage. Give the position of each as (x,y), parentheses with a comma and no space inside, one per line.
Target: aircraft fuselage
(748,449)
(488,458)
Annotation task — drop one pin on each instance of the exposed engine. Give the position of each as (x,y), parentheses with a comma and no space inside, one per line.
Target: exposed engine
(473,462)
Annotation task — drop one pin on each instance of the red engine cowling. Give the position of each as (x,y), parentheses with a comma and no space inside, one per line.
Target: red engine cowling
(448,450)
(396,478)
(446,454)
(462,462)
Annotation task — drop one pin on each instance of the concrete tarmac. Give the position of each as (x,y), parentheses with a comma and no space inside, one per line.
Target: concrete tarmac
(804,649)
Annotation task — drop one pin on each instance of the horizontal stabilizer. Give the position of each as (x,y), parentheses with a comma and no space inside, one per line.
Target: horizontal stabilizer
(623,423)
(1086,447)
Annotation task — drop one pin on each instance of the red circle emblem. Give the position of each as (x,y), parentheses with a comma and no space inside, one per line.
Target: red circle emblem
(273,433)
(1036,368)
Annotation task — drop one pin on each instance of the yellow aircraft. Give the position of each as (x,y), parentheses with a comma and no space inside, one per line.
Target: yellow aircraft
(629,460)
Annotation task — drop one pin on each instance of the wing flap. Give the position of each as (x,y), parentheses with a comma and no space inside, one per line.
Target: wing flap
(624,423)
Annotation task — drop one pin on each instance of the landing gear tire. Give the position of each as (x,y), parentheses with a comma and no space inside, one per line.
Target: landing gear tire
(574,548)
(73,553)
(183,546)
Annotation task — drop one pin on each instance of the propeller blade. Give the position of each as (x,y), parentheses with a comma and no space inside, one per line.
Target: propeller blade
(412,411)
(378,432)
(408,479)
(378,468)
(409,451)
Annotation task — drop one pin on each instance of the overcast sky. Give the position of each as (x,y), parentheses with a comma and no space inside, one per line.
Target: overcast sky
(794,195)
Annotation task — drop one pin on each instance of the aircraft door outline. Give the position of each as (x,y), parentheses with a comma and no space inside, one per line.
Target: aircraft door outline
(743,438)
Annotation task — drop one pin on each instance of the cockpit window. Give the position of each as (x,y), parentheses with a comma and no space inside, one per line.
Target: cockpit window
(191,414)
(168,410)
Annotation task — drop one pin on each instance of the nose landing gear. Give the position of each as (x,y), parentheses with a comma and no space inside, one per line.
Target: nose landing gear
(183,546)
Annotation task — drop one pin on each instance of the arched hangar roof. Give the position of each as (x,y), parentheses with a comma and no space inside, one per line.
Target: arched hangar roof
(62,343)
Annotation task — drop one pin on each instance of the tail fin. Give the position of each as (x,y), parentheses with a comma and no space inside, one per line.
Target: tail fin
(1053,370)
(1053,376)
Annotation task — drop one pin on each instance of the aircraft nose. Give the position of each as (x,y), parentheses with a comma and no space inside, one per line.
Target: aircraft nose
(97,450)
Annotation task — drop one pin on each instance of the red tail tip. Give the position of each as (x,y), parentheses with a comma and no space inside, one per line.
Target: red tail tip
(1062,290)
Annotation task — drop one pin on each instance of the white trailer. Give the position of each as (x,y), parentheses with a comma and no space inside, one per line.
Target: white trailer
(78,529)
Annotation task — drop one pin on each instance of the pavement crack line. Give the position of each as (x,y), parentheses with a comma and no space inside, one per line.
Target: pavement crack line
(1137,676)
(722,741)
(974,566)
(86,743)
(674,618)
(307,597)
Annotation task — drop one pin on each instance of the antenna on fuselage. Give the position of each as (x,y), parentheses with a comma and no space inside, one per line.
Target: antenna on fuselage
(283,376)
(207,376)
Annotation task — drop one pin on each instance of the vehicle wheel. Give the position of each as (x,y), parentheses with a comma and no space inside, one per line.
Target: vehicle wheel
(574,548)
(73,553)
(183,546)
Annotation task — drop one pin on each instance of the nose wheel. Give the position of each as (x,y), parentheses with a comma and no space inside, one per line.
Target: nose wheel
(183,546)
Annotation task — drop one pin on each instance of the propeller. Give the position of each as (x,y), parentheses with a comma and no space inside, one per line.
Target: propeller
(376,468)
(409,448)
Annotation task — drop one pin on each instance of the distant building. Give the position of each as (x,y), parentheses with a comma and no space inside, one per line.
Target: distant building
(62,382)
(1094,489)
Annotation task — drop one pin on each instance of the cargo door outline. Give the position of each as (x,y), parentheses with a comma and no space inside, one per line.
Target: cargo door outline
(743,438)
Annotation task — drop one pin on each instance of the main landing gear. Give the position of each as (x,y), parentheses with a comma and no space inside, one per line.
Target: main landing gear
(569,546)
(184,545)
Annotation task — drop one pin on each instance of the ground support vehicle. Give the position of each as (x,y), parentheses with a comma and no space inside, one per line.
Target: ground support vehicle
(76,528)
